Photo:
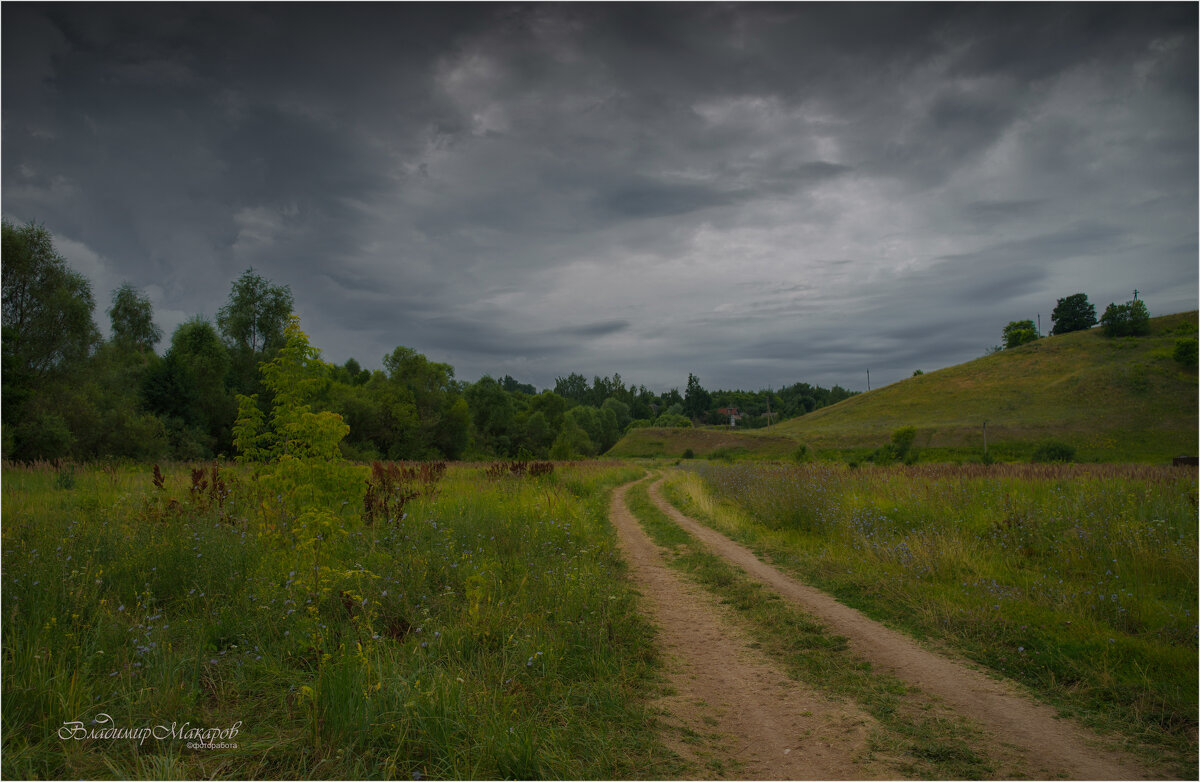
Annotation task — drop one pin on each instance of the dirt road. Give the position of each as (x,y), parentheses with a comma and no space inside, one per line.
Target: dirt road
(1046,746)
(728,693)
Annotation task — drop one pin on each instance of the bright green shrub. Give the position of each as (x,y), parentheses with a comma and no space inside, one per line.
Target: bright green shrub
(301,472)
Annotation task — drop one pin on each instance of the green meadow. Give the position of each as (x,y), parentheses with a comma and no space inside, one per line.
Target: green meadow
(1114,400)
(474,620)
(484,631)
(1079,581)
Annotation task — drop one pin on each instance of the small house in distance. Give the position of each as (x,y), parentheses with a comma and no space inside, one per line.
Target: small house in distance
(734,414)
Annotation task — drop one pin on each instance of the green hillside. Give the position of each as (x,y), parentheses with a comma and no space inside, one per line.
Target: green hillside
(707,441)
(1114,400)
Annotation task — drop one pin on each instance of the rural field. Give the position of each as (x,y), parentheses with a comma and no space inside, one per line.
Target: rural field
(600,391)
(513,620)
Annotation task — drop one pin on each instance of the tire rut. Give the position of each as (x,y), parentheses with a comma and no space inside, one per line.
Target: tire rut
(1050,747)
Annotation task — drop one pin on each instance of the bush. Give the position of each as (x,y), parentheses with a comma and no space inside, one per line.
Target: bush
(689,454)
(43,435)
(1130,319)
(902,440)
(1054,451)
(801,454)
(1186,351)
(899,449)
(1019,332)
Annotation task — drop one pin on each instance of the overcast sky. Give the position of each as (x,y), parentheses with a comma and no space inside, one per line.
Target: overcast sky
(758,194)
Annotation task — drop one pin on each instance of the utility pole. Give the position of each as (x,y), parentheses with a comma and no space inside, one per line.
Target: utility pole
(985,438)
(868,380)
(1039,325)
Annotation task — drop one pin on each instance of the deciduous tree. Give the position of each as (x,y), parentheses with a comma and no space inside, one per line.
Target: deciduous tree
(695,399)
(132,318)
(253,322)
(47,307)
(1019,332)
(1130,319)
(48,335)
(1074,313)
(187,389)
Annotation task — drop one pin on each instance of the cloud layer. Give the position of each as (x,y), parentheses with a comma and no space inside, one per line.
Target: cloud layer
(758,194)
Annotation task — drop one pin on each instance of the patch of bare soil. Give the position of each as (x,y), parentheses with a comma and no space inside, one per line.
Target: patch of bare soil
(1047,746)
(734,713)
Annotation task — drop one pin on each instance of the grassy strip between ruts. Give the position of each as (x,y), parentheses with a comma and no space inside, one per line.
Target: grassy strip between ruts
(486,633)
(915,733)
(1077,581)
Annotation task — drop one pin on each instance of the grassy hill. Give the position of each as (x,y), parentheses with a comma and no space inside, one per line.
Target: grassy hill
(1114,400)
(706,441)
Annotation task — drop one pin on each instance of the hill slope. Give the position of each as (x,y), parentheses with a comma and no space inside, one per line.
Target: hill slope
(1112,399)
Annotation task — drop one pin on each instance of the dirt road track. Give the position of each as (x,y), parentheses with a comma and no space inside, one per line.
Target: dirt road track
(770,726)
(1052,747)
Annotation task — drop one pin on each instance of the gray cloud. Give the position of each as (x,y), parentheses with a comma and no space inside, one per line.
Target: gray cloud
(650,189)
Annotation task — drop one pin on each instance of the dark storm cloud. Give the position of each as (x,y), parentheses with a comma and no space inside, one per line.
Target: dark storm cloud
(486,342)
(653,189)
(651,199)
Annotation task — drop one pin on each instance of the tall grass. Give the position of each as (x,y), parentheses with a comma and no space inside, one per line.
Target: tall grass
(1080,581)
(487,633)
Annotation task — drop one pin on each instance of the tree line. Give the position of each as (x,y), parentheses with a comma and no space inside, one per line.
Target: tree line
(67,393)
(1076,313)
